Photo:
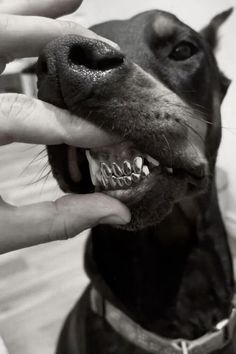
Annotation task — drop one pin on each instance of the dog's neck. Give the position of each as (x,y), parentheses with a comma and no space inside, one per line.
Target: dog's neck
(174,279)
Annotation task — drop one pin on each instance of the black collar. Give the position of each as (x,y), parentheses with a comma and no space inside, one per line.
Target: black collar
(218,338)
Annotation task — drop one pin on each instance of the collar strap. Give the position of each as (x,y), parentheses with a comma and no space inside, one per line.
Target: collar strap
(218,338)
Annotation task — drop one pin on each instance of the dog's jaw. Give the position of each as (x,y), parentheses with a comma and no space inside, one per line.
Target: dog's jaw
(148,188)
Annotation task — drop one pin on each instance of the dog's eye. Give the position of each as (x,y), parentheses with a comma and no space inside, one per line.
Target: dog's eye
(183,51)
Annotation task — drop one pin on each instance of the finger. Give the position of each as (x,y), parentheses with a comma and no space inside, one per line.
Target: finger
(23,36)
(28,120)
(47,8)
(50,221)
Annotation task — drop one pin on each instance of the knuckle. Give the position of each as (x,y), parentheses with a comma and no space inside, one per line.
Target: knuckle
(15,105)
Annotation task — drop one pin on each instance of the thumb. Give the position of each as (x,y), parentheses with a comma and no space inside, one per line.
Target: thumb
(50,221)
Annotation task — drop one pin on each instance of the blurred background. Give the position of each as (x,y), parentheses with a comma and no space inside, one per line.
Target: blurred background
(39,285)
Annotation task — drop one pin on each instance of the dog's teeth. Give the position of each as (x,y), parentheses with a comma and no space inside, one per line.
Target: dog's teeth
(145,171)
(152,161)
(113,181)
(105,170)
(120,182)
(169,169)
(138,164)
(93,168)
(127,168)
(135,177)
(128,180)
(116,170)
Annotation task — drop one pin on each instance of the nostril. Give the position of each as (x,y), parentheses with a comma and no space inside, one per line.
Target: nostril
(94,60)
(109,63)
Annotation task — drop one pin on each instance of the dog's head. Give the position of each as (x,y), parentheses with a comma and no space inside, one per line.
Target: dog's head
(161,94)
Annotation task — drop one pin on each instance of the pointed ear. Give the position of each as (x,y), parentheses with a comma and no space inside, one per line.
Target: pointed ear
(224,84)
(210,32)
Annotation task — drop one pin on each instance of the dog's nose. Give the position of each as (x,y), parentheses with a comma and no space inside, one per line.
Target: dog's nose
(94,56)
(76,68)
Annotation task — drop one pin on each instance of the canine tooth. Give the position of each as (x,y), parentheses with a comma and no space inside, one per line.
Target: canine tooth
(127,168)
(152,160)
(169,169)
(105,170)
(93,167)
(138,164)
(120,182)
(135,177)
(145,171)
(117,171)
(128,180)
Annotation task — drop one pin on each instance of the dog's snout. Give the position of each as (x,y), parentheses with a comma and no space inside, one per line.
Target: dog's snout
(78,68)
(94,57)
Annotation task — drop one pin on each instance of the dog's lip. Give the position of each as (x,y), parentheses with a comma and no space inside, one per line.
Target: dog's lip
(136,193)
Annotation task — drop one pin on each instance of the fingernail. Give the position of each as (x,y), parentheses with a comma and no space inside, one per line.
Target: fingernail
(114,219)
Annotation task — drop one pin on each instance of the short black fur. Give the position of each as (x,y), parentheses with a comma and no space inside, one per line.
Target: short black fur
(170,270)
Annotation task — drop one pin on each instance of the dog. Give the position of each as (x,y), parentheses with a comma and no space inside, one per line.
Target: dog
(164,282)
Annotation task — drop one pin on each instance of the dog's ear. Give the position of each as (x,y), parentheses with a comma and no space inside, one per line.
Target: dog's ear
(210,32)
(224,84)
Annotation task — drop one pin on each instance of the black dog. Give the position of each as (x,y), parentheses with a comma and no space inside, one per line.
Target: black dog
(165,280)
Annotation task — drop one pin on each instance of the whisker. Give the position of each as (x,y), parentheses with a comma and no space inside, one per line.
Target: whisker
(38,157)
(193,130)
(168,145)
(45,180)
(39,178)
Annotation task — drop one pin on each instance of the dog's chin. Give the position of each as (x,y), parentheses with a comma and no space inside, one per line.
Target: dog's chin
(154,206)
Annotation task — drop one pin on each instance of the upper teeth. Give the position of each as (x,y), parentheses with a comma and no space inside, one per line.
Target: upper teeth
(105,170)
(138,164)
(127,168)
(121,175)
(117,171)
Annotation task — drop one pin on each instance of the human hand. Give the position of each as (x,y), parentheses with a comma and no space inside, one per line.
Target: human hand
(23,119)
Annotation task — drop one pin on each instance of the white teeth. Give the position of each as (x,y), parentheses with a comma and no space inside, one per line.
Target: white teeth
(111,175)
(73,165)
(145,171)
(113,181)
(128,180)
(105,170)
(127,168)
(120,182)
(135,177)
(152,160)
(169,169)
(116,170)
(138,164)
(93,167)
